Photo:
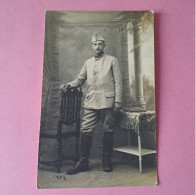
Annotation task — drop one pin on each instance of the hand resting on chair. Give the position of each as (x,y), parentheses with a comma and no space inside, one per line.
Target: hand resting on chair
(64,87)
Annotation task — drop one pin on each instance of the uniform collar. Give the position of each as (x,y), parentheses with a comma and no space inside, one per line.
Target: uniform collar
(97,57)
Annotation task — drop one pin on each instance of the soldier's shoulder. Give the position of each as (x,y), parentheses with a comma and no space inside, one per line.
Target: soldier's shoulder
(89,59)
(110,56)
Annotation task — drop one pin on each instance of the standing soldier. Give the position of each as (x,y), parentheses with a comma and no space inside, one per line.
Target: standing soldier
(103,97)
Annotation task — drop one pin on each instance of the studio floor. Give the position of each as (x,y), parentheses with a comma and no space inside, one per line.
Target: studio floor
(124,174)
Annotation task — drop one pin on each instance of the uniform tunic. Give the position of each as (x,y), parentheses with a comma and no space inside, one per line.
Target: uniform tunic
(104,88)
(104,82)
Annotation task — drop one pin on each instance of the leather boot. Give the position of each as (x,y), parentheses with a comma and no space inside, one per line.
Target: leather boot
(108,140)
(83,162)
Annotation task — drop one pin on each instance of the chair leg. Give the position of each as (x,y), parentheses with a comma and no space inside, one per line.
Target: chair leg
(59,167)
(59,146)
(59,156)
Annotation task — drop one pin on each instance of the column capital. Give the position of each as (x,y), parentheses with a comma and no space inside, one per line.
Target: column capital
(133,25)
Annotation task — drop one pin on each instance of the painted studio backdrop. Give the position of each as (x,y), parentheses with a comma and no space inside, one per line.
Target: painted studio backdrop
(129,37)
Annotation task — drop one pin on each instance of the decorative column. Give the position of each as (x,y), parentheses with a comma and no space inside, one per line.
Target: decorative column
(140,103)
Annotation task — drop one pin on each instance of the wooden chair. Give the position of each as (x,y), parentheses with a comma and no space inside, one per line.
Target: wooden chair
(69,114)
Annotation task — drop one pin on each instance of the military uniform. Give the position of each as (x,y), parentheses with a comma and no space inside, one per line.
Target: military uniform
(104,90)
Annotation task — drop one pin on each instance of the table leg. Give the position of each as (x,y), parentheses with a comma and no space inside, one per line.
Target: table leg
(140,163)
(140,153)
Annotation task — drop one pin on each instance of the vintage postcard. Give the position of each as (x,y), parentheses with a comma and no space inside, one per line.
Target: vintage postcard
(98,100)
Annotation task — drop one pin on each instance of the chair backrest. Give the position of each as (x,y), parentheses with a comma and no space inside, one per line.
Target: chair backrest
(70,105)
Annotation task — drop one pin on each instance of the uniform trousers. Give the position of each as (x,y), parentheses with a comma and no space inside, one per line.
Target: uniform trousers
(92,116)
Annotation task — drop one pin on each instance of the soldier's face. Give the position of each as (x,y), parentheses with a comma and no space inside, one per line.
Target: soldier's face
(98,46)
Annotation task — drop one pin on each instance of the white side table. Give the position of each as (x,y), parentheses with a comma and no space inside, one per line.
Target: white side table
(139,122)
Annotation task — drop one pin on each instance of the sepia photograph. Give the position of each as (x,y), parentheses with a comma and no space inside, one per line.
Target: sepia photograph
(98,119)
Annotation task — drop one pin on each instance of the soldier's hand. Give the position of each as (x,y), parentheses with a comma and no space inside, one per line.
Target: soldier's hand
(64,87)
(117,106)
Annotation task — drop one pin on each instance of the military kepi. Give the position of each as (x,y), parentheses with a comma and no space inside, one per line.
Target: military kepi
(97,37)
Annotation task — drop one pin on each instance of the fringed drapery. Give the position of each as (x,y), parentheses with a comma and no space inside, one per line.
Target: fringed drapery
(139,122)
